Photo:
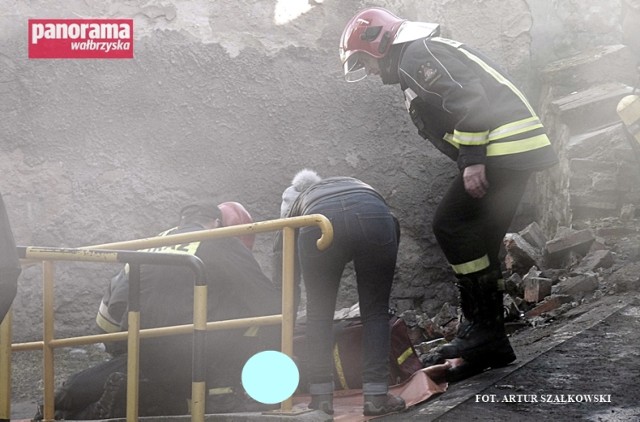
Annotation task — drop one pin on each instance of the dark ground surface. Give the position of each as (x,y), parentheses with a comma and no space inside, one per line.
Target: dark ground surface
(592,351)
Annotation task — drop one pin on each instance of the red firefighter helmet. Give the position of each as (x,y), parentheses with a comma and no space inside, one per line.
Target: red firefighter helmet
(233,213)
(373,31)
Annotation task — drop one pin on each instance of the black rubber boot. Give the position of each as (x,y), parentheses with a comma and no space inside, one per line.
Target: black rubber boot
(481,339)
(469,304)
(489,345)
(468,293)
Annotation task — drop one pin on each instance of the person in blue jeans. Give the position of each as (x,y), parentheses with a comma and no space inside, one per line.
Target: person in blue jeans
(367,233)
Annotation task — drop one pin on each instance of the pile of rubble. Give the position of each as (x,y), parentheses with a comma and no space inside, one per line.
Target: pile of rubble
(544,278)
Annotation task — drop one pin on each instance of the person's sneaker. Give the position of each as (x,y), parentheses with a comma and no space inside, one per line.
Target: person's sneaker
(382,404)
(322,402)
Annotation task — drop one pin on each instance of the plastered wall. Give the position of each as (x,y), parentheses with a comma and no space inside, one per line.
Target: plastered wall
(223,100)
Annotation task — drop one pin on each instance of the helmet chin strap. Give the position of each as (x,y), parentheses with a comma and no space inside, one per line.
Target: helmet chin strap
(389,65)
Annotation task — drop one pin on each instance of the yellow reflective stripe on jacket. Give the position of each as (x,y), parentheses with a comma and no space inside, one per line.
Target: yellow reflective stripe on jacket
(498,77)
(104,319)
(471,266)
(106,325)
(470,138)
(182,248)
(404,356)
(495,149)
(514,147)
(339,370)
(504,131)
(515,128)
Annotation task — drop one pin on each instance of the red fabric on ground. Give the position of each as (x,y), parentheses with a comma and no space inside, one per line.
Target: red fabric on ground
(347,404)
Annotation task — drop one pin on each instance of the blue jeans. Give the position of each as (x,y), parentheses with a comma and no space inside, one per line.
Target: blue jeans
(365,232)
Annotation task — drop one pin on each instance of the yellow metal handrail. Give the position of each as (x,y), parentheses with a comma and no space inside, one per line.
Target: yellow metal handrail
(49,343)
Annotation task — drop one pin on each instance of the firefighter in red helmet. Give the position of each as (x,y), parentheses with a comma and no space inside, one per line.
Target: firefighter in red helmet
(470,110)
(369,37)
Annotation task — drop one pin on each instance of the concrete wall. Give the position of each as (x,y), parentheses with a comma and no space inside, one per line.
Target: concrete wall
(223,100)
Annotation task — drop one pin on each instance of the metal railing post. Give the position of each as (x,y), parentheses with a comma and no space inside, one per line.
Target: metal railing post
(199,372)
(48,375)
(133,343)
(288,317)
(199,327)
(5,367)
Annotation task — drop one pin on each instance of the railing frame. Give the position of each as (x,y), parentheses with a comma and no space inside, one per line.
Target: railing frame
(112,252)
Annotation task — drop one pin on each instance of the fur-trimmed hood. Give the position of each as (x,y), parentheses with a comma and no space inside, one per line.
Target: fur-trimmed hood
(301,181)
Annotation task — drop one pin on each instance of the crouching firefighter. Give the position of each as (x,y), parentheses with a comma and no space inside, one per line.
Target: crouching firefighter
(236,288)
(470,110)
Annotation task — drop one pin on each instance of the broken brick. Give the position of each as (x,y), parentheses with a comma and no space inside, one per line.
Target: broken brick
(536,289)
(549,304)
(594,260)
(521,255)
(534,235)
(578,286)
(626,279)
(513,285)
(578,241)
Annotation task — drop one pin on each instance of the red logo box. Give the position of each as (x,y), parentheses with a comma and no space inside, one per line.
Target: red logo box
(80,38)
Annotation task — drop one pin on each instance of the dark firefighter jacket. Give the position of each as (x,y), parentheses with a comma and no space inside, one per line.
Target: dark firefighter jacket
(470,109)
(236,288)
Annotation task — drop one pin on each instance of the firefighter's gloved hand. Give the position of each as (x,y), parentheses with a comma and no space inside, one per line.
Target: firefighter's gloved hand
(432,357)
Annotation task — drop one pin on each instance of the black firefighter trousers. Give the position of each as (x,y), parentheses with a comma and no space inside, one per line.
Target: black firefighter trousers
(470,231)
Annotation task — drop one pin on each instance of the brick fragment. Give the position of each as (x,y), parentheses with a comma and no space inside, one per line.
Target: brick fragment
(549,304)
(626,279)
(595,259)
(514,286)
(579,241)
(521,255)
(536,289)
(578,286)
(534,235)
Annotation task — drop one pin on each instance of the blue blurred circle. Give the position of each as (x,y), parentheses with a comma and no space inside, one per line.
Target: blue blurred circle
(270,377)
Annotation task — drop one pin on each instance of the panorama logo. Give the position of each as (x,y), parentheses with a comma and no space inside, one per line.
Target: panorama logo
(80,38)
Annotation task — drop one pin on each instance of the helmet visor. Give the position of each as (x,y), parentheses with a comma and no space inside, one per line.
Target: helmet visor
(354,69)
(410,31)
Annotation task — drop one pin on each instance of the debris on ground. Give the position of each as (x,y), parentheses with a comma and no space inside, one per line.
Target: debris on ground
(547,278)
